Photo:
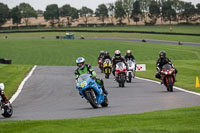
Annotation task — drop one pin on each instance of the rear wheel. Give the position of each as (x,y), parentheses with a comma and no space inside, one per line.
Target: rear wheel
(105,102)
(8,111)
(122,84)
(90,96)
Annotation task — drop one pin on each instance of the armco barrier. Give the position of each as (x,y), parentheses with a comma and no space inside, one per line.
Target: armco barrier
(100,31)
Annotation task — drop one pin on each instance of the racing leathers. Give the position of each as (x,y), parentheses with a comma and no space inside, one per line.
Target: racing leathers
(88,69)
(115,61)
(160,63)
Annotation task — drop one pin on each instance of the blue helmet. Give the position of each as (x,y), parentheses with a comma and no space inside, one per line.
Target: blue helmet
(80,61)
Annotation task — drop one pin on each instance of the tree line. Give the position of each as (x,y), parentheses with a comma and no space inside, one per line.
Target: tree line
(148,11)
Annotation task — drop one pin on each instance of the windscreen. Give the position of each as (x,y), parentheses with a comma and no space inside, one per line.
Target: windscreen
(83,77)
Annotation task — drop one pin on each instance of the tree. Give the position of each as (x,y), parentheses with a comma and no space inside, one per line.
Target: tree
(102,12)
(27,12)
(52,13)
(168,13)
(119,11)
(69,12)
(85,13)
(111,9)
(136,11)
(4,14)
(128,7)
(144,4)
(178,5)
(198,8)
(154,11)
(188,12)
(16,15)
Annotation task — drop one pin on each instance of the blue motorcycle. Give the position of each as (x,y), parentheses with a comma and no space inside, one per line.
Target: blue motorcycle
(91,91)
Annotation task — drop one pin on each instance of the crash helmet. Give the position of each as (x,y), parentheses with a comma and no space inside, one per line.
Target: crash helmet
(106,53)
(102,52)
(117,54)
(128,52)
(2,86)
(162,54)
(80,62)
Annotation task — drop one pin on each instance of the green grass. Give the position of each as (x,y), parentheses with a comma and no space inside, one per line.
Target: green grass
(64,52)
(11,76)
(109,35)
(184,120)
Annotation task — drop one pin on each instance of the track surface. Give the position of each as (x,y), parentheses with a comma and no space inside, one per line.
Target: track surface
(147,41)
(50,94)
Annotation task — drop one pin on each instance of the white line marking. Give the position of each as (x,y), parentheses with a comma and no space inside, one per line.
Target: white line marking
(181,89)
(22,84)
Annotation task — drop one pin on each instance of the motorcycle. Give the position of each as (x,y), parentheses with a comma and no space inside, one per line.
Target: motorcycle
(91,91)
(120,72)
(100,65)
(6,109)
(168,76)
(130,70)
(107,68)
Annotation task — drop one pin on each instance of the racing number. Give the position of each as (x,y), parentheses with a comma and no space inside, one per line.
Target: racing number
(83,84)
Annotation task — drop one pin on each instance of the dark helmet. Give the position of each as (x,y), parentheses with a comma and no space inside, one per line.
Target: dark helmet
(117,54)
(162,54)
(106,53)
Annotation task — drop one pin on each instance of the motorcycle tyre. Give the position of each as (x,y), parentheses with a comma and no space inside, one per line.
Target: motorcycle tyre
(7,114)
(91,100)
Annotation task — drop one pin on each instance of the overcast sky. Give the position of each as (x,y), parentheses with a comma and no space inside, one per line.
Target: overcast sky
(41,4)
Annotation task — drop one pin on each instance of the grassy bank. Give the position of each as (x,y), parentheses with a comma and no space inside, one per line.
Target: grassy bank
(107,35)
(185,120)
(11,76)
(195,29)
(64,52)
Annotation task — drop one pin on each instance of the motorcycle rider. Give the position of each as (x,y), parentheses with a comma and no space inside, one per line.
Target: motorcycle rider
(106,56)
(3,96)
(101,55)
(161,62)
(129,56)
(116,59)
(86,68)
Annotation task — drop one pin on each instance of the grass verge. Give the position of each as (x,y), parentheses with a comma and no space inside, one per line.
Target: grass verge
(184,120)
(176,38)
(11,76)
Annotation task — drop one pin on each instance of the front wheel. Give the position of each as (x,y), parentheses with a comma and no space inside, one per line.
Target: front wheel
(170,85)
(90,96)
(8,111)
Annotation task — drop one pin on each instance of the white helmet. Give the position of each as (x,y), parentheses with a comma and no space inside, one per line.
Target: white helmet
(80,61)
(2,86)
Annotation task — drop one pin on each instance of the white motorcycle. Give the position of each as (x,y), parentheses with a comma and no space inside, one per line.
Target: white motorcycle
(130,70)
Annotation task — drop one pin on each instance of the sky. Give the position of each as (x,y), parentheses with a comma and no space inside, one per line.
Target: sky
(41,4)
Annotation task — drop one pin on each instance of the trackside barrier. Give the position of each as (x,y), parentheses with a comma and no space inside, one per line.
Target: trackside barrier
(141,67)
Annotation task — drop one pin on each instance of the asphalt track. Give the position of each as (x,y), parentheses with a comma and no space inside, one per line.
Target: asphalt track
(148,41)
(50,94)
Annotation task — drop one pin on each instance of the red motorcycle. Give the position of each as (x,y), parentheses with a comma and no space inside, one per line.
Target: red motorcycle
(120,73)
(168,76)
(101,65)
